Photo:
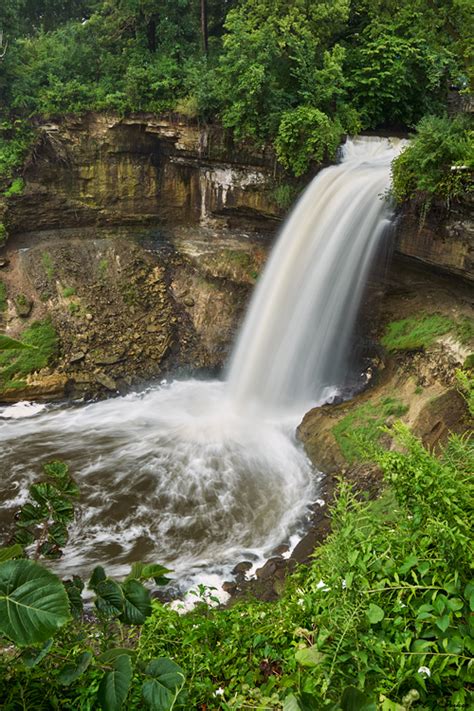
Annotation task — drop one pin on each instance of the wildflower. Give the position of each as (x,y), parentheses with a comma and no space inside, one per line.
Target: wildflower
(424,671)
(219,692)
(322,586)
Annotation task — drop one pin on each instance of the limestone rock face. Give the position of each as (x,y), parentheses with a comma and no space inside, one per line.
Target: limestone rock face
(442,239)
(104,170)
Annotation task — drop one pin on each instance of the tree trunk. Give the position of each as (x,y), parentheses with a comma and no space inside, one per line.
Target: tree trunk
(204,30)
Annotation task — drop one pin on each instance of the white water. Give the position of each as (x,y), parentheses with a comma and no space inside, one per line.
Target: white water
(191,474)
(295,340)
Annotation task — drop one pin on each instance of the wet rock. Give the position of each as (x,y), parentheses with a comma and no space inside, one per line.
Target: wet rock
(106,381)
(48,387)
(77,357)
(242,568)
(109,359)
(4,262)
(439,417)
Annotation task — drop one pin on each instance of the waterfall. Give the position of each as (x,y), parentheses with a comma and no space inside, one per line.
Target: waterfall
(295,340)
(186,474)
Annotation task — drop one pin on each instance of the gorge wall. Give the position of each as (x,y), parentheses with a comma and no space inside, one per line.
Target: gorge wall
(104,170)
(141,238)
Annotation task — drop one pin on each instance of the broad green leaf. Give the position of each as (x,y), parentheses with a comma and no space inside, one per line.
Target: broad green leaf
(375,614)
(74,593)
(355,700)
(32,657)
(443,623)
(33,602)
(98,575)
(161,691)
(109,600)
(147,571)
(137,603)
(58,534)
(309,657)
(387,705)
(15,551)
(8,344)
(71,672)
(115,684)
(300,702)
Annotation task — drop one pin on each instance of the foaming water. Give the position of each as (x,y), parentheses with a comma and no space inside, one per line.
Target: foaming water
(173,474)
(199,475)
(295,340)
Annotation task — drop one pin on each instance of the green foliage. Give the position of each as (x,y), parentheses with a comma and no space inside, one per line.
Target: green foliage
(416,332)
(3,234)
(16,188)
(465,380)
(69,291)
(386,597)
(33,602)
(367,421)
(3,297)
(425,166)
(16,363)
(45,518)
(16,138)
(306,135)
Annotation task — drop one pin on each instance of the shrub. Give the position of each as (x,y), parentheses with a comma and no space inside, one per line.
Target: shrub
(306,135)
(425,165)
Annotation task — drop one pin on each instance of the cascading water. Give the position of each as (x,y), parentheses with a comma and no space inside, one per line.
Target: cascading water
(200,475)
(295,339)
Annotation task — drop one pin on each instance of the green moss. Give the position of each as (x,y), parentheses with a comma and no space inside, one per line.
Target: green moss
(16,188)
(15,364)
(464,331)
(48,265)
(417,332)
(365,422)
(469,362)
(103,266)
(74,308)
(3,234)
(3,297)
(69,291)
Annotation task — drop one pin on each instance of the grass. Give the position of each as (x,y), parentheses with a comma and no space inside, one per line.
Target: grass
(48,265)
(3,297)
(15,365)
(69,291)
(416,332)
(464,331)
(365,422)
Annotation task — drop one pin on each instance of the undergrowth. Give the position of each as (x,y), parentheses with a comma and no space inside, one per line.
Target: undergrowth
(17,364)
(366,420)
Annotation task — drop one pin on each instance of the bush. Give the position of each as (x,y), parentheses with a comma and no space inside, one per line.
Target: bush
(306,135)
(425,165)
(42,340)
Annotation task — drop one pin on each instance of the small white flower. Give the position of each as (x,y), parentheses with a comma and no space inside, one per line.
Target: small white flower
(301,602)
(322,586)
(219,692)
(424,671)
(343,584)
